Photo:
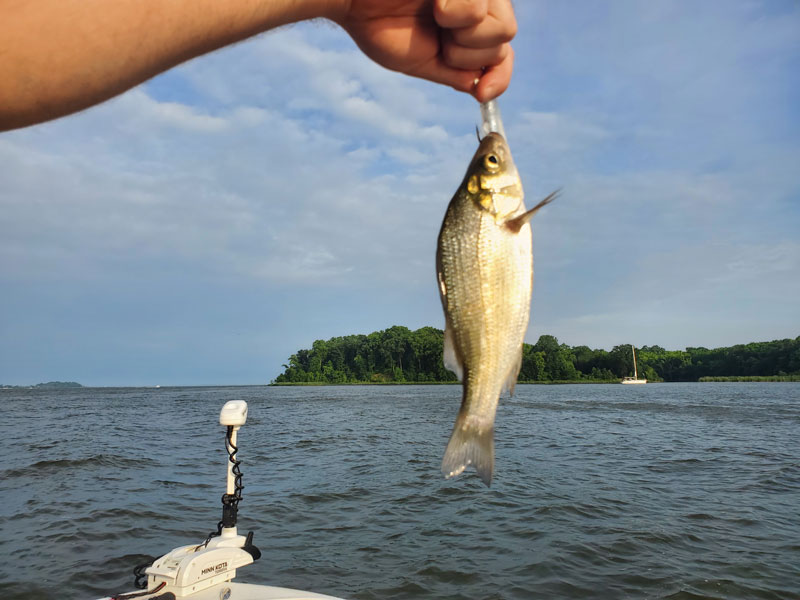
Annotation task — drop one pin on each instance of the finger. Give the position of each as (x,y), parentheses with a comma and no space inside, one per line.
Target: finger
(438,71)
(495,80)
(460,57)
(499,27)
(459,13)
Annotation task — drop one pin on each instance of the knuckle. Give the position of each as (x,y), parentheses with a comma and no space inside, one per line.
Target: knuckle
(471,12)
(460,13)
(506,20)
(510,29)
(475,12)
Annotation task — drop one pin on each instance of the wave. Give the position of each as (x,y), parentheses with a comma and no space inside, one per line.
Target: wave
(62,465)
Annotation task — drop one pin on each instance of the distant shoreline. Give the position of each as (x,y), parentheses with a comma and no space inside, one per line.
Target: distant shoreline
(742,379)
(379,383)
(749,378)
(400,355)
(134,387)
(50,385)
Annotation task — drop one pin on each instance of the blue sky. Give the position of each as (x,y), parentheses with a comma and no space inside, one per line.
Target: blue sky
(204,226)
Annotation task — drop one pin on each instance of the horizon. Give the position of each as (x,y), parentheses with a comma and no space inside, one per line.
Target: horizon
(4,385)
(205,225)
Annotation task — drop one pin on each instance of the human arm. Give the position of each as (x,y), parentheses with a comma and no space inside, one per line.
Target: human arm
(61,56)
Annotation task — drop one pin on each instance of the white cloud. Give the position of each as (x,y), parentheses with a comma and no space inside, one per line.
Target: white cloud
(753,263)
(142,108)
(312,182)
(247,191)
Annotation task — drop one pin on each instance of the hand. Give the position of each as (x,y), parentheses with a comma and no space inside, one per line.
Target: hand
(453,42)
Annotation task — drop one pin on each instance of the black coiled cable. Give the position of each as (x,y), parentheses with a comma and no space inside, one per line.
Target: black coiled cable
(140,576)
(230,502)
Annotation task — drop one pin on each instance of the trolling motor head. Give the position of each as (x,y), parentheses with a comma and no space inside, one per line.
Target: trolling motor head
(233,414)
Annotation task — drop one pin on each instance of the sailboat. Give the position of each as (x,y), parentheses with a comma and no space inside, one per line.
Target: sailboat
(635,379)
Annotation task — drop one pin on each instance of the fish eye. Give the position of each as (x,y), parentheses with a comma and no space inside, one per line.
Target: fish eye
(491,162)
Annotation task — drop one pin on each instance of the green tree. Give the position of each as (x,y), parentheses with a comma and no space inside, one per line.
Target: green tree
(533,365)
(399,354)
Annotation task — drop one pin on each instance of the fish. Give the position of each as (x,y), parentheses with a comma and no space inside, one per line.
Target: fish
(484,266)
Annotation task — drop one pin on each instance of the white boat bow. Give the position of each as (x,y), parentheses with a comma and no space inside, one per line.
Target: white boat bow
(236,591)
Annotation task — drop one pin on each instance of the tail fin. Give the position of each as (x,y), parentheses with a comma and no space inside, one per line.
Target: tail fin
(470,445)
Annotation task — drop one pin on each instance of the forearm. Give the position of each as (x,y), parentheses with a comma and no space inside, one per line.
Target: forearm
(61,56)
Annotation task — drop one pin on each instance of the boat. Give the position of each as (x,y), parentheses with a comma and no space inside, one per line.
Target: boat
(205,571)
(635,379)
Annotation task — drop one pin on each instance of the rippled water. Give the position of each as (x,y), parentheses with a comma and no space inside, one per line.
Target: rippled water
(600,491)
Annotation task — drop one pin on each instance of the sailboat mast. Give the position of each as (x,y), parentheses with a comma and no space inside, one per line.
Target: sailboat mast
(635,372)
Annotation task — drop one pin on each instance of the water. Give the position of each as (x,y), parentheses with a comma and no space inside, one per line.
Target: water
(600,491)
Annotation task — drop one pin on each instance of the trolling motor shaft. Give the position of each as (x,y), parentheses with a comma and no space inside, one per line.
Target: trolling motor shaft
(233,415)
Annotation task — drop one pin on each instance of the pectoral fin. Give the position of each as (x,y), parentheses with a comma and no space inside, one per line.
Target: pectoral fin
(516,223)
(511,379)
(450,357)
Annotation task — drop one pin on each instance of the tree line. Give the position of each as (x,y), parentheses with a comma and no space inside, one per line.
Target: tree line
(400,355)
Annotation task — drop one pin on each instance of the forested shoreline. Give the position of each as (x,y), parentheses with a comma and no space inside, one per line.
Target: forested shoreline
(49,385)
(400,355)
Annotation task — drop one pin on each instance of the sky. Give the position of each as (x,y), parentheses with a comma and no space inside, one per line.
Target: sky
(204,226)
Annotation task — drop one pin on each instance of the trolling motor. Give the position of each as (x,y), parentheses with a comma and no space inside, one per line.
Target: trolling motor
(189,569)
